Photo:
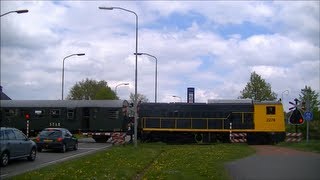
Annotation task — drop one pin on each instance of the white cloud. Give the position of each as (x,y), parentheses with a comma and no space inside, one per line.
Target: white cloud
(218,66)
(298,19)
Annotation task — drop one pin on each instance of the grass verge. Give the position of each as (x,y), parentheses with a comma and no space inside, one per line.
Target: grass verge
(312,145)
(148,161)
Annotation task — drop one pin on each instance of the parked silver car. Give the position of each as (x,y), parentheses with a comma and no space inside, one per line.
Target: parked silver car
(14,145)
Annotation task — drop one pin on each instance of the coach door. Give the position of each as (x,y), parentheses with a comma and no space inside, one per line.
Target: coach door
(85,122)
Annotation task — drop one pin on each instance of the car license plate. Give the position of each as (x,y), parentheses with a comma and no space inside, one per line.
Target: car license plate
(47,140)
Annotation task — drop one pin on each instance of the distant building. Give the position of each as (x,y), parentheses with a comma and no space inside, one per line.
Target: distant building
(3,95)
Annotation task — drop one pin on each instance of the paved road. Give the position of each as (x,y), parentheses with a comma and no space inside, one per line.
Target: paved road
(48,157)
(276,163)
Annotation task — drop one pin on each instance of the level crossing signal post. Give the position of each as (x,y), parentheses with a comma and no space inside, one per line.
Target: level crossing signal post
(296,117)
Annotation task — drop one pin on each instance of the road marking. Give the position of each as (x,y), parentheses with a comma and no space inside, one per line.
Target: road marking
(88,148)
(69,157)
(58,160)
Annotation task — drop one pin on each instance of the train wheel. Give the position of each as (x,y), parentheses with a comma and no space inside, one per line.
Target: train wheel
(198,138)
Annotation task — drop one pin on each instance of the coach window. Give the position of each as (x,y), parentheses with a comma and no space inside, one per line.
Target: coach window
(205,114)
(187,114)
(271,110)
(176,113)
(70,114)
(39,113)
(113,114)
(9,112)
(55,113)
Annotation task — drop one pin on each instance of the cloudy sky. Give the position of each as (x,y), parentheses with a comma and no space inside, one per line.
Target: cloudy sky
(211,46)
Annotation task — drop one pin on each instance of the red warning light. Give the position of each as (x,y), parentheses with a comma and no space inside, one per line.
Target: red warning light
(300,121)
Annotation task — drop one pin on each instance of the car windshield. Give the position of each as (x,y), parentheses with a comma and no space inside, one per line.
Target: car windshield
(50,133)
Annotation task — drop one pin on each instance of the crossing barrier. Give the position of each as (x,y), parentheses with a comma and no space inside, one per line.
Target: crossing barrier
(238,137)
(293,137)
(118,138)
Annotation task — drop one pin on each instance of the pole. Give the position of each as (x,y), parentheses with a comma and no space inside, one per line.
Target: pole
(306,94)
(307,131)
(27,128)
(156,75)
(156,80)
(62,79)
(136,89)
(115,89)
(282,95)
(18,11)
(230,132)
(296,100)
(136,74)
(308,110)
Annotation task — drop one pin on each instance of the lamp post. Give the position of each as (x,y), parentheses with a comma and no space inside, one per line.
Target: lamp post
(178,97)
(307,97)
(62,79)
(136,73)
(17,11)
(115,89)
(156,74)
(283,93)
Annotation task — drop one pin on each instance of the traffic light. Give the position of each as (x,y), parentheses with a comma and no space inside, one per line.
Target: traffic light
(27,116)
(296,117)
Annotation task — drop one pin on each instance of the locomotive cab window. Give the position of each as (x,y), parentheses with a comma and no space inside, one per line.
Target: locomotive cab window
(271,110)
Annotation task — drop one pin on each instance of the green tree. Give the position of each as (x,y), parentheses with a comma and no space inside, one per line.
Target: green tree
(141,98)
(258,89)
(310,97)
(91,90)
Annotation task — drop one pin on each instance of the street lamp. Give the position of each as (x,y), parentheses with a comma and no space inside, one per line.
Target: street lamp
(178,97)
(136,73)
(17,11)
(115,89)
(62,81)
(156,74)
(282,94)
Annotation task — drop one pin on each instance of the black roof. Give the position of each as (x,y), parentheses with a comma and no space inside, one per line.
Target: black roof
(63,103)
(4,96)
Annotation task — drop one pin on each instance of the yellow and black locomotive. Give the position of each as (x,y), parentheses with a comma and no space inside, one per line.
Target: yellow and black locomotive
(261,122)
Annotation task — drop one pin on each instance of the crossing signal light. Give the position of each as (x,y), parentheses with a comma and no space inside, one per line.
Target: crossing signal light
(296,117)
(27,116)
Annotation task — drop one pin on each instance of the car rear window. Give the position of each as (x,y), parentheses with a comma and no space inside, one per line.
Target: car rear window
(50,133)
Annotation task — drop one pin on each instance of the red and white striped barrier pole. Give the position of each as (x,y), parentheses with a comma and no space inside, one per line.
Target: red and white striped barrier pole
(27,128)
(230,132)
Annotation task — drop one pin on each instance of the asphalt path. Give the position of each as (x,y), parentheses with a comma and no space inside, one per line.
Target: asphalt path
(276,163)
(48,157)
